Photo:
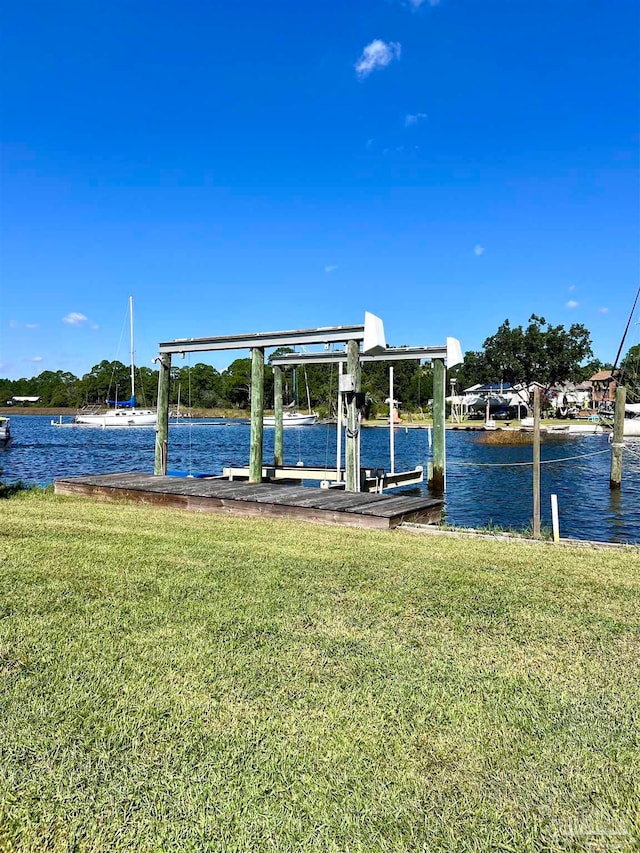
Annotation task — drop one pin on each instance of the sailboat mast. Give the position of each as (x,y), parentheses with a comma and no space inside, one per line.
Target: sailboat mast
(131,353)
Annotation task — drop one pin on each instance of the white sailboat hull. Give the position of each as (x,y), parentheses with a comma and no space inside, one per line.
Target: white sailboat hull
(631,427)
(5,431)
(292,419)
(118,418)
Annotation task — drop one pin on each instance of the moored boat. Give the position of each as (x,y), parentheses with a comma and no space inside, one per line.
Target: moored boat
(292,419)
(5,430)
(123,413)
(631,426)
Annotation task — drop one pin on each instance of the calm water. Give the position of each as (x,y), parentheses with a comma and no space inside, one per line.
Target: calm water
(476,495)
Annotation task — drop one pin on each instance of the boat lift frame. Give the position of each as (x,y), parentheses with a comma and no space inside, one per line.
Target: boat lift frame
(370,336)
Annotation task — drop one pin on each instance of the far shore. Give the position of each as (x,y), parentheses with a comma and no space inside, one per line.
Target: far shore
(408,421)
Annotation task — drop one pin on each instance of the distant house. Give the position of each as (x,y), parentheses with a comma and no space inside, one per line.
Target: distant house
(22,401)
(603,388)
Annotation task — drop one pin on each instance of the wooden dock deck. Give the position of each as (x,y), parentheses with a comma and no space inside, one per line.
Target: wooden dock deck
(267,500)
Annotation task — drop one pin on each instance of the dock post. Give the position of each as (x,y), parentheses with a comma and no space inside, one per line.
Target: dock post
(536,463)
(352,443)
(278,454)
(339,427)
(437,481)
(617,444)
(162,424)
(392,411)
(257,415)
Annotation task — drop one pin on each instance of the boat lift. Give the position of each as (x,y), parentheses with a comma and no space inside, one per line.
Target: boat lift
(371,338)
(375,479)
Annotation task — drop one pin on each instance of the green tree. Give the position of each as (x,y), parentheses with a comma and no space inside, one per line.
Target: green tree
(236,383)
(540,353)
(104,381)
(630,373)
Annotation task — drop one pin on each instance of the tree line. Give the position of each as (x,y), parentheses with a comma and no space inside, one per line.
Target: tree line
(514,355)
(201,386)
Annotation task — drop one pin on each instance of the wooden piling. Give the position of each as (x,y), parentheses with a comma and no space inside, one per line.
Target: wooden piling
(352,472)
(617,445)
(162,423)
(536,463)
(257,415)
(437,480)
(278,452)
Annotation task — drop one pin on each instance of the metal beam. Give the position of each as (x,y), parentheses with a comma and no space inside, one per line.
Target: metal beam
(390,354)
(301,337)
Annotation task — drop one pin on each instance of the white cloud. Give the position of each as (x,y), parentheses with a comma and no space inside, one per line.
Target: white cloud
(331,268)
(603,310)
(478,250)
(32,325)
(75,319)
(417,3)
(377,54)
(36,358)
(572,303)
(413,118)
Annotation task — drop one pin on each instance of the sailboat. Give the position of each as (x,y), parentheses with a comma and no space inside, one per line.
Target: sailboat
(5,430)
(631,421)
(124,413)
(291,417)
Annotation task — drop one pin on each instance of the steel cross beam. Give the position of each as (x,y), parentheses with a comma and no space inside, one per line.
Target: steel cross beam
(301,337)
(371,335)
(450,351)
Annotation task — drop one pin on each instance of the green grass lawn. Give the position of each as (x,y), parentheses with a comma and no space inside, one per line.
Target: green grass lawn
(179,682)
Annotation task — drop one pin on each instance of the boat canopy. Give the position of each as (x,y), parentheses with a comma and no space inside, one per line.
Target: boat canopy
(123,404)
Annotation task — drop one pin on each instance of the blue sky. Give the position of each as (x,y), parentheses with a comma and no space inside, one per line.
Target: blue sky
(253,166)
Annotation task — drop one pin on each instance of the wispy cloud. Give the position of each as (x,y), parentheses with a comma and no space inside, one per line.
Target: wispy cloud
(36,358)
(571,288)
(413,118)
(415,4)
(572,303)
(478,250)
(377,54)
(13,324)
(603,310)
(331,268)
(75,319)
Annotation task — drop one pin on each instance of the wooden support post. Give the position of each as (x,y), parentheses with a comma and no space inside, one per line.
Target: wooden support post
(352,443)
(162,424)
(617,445)
(339,426)
(536,463)
(437,481)
(278,453)
(392,447)
(257,415)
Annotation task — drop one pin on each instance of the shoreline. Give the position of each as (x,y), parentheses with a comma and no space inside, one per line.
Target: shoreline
(553,426)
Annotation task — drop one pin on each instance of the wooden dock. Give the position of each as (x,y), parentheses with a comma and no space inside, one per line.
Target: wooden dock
(267,500)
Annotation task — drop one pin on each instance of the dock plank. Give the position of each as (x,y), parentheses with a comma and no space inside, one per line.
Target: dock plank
(269,500)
